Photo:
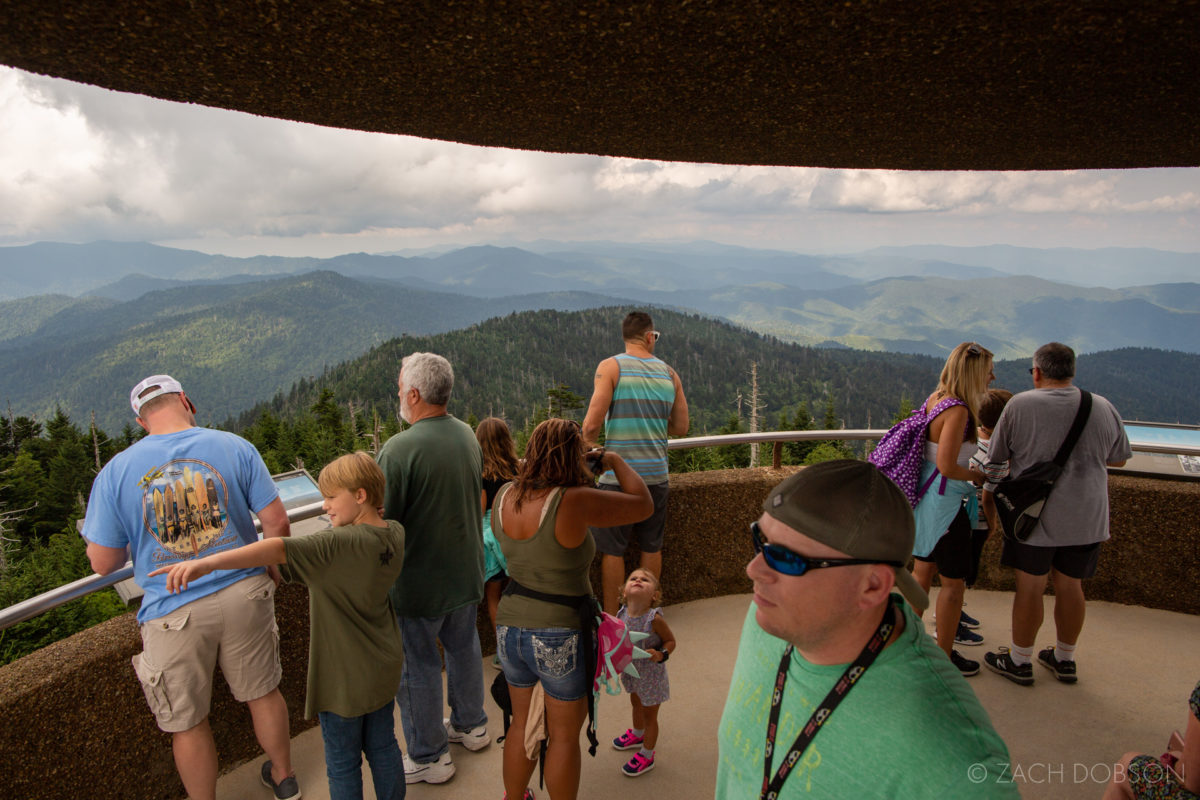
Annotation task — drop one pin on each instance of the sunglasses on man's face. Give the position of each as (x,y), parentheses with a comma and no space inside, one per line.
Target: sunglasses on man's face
(789,562)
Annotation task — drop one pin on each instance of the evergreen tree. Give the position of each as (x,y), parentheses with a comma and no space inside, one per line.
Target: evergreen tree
(797,452)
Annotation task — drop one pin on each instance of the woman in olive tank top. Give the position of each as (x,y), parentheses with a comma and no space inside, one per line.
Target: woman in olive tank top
(540,521)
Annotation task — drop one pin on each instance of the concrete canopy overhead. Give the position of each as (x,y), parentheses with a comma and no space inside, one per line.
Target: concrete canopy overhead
(898,84)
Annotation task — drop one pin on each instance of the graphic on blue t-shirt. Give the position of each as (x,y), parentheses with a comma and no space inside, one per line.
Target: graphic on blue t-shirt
(184,505)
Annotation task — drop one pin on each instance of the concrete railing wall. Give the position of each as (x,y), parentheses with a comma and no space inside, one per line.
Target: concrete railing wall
(74,723)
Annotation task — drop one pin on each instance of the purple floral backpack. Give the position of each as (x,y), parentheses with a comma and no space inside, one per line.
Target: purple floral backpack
(901,451)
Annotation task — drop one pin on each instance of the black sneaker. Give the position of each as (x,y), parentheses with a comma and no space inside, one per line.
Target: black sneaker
(967,620)
(286,789)
(1001,663)
(966,636)
(1063,670)
(965,665)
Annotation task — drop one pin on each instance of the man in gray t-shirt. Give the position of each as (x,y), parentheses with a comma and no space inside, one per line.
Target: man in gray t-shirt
(1074,521)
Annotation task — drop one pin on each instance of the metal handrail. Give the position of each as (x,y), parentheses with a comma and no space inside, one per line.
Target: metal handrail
(30,608)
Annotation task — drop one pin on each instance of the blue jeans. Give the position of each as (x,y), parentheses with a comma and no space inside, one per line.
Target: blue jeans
(420,694)
(550,655)
(345,738)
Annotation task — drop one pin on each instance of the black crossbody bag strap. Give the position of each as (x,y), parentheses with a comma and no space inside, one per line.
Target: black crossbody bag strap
(1081,418)
(588,610)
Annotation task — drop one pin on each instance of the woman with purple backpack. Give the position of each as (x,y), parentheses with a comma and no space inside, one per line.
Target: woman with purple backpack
(943,540)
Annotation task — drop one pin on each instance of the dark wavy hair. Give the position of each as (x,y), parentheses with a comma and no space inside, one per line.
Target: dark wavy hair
(499,451)
(553,457)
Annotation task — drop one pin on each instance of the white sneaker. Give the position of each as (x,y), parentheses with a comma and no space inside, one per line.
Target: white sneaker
(474,739)
(438,771)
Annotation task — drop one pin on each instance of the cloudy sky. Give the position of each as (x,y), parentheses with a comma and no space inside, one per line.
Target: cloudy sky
(82,163)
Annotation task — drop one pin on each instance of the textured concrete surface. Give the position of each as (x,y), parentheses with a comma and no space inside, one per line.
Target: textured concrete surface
(74,711)
(892,84)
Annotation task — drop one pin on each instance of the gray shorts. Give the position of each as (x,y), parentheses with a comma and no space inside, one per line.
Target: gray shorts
(649,532)
(234,627)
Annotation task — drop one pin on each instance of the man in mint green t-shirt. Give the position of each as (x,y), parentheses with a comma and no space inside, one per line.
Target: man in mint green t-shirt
(835,675)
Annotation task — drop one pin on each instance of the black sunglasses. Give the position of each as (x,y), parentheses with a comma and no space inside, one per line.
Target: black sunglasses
(789,562)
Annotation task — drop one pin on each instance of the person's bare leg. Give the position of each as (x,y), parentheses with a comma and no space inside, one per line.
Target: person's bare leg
(518,769)
(649,722)
(1070,607)
(196,760)
(491,593)
(612,576)
(270,716)
(949,608)
(1119,788)
(563,722)
(923,571)
(652,562)
(1028,609)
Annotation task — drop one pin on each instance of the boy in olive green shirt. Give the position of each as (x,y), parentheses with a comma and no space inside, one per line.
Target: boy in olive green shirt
(355,655)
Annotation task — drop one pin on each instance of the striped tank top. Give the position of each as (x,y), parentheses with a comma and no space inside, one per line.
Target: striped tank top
(636,425)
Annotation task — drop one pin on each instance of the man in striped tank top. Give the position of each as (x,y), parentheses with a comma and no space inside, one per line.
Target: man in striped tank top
(638,401)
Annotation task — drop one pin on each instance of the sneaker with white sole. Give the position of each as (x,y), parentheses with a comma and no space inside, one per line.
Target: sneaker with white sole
(474,739)
(968,637)
(1001,663)
(966,619)
(286,789)
(638,765)
(1063,670)
(438,771)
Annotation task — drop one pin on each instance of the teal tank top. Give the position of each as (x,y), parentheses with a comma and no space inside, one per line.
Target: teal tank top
(636,426)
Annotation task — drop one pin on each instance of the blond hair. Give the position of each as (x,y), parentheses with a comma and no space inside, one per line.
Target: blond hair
(965,377)
(352,472)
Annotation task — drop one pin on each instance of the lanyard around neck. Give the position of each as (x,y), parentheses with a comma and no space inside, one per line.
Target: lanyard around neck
(771,786)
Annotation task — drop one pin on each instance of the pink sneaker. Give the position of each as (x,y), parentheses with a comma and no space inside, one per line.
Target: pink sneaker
(638,765)
(527,796)
(627,741)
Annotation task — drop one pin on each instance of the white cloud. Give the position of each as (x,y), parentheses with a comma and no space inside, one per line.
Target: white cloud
(85,163)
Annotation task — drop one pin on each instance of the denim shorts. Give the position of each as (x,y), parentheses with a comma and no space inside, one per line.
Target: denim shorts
(551,655)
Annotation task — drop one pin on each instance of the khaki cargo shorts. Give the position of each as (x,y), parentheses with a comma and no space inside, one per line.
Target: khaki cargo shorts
(234,627)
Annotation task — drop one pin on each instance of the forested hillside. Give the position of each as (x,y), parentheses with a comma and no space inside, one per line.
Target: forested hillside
(505,367)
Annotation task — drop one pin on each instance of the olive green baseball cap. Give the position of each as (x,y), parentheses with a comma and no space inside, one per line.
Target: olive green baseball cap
(852,507)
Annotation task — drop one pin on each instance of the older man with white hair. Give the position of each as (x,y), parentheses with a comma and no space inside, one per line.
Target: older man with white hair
(433,471)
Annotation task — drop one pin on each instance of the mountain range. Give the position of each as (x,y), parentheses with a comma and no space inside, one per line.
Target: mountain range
(241,342)
(86,321)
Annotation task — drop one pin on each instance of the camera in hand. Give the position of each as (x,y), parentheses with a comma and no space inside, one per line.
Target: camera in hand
(595,460)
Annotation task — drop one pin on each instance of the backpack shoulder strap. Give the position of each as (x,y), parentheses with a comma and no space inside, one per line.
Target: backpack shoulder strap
(942,405)
(1081,418)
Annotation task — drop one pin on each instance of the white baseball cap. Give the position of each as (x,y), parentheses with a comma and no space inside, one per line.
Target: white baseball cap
(161,384)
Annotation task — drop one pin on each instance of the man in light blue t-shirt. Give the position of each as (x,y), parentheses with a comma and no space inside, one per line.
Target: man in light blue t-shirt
(638,400)
(180,493)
